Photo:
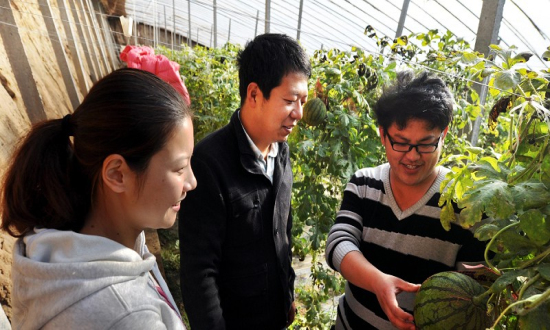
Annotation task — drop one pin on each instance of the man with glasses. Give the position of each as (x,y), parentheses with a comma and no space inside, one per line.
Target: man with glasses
(387,237)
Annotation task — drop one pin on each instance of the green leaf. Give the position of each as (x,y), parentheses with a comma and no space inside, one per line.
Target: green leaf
(487,72)
(484,169)
(506,279)
(512,242)
(492,197)
(545,165)
(486,231)
(538,318)
(474,150)
(530,195)
(470,214)
(505,80)
(544,271)
(536,225)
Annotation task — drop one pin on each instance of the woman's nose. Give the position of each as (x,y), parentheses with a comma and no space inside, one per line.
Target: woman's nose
(191,183)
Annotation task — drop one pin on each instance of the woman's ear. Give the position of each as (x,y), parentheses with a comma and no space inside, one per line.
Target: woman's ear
(115,173)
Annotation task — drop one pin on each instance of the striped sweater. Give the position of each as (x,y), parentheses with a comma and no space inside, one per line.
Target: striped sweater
(409,244)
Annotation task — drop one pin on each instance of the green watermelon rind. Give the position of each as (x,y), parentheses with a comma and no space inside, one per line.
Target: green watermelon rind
(315,112)
(445,301)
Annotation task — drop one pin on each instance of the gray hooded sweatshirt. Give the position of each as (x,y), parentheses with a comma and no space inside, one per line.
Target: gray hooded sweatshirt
(66,280)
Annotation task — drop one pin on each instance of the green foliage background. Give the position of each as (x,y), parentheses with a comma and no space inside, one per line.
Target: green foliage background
(503,177)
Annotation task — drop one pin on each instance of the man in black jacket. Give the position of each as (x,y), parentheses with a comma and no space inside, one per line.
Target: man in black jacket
(235,228)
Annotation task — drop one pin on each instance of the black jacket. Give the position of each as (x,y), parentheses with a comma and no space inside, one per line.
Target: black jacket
(235,236)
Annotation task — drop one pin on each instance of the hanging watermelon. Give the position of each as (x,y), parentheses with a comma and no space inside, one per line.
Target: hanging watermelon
(315,112)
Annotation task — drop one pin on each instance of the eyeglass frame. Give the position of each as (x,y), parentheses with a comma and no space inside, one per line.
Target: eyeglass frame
(415,146)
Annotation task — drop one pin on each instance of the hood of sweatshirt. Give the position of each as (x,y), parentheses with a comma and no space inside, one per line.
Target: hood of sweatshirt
(54,269)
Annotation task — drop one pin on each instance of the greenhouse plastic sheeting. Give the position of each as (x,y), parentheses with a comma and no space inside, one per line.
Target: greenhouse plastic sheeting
(341,24)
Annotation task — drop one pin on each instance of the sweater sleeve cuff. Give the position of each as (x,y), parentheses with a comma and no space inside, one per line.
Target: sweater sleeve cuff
(340,252)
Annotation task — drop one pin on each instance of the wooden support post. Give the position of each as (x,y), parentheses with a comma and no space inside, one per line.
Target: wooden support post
(300,20)
(229,34)
(61,57)
(189,42)
(73,47)
(107,47)
(135,31)
(487,34)
(257,19)
(173,22)
(87,25)
(267,15)
(20,64)
(85,43)
(401,24)
(215,32)
(93,29)
(154,27)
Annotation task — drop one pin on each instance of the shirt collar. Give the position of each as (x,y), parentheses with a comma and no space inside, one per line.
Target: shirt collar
(273,151)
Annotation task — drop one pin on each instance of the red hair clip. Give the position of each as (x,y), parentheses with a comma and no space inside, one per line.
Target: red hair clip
(144,58)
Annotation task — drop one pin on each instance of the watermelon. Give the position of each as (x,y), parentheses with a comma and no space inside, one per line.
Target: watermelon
(315,112)
(333,72)
(446,301)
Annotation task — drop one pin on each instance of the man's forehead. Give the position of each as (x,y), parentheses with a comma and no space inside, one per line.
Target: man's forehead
(414,122)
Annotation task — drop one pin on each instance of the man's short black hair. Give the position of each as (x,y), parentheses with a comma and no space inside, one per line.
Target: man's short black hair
(267,59)
(425,97)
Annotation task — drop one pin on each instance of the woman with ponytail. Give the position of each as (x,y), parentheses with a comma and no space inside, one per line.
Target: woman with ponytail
(79,192)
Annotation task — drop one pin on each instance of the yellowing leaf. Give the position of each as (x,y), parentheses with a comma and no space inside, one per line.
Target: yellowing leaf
(468,57)
(447,216)
(493,198)
(492,161)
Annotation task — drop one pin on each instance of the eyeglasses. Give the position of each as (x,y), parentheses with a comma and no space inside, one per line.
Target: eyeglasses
(420,148)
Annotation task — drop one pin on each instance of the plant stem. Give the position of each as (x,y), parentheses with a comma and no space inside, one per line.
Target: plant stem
(505,311)
(533,166)
(510,138)
(536,259)
(481,299)
(532,305)
(491,242)
(540,300)
(527,285)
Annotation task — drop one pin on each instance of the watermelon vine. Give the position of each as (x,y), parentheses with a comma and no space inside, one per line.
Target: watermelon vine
(510,184)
